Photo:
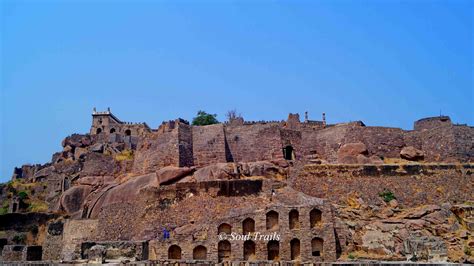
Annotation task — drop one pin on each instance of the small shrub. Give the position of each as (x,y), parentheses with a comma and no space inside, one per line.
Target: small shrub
(19,239)
(22,195)
(38,206)
(387,195)
(351,256)
(124,155)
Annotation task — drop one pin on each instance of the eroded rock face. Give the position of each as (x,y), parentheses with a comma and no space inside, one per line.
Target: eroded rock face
(125,192)
(425,233)
(412,154)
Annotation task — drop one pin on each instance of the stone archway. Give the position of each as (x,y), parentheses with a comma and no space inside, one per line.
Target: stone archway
(317,245)
(315,217)
(272,220)
(273,249)
(200,253)
(224,228)
(248,226)
(294,219)
(223,251)
(295,249)
(174,252)
(249,250)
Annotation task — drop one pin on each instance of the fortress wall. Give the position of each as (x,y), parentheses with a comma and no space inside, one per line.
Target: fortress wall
(208,144)
(292,138)
(380,141)
(157,150)
(256,142)
(412,185)
(432,122)
(412,138)
(185,138)
(464,143)
(439,144)
(325,143)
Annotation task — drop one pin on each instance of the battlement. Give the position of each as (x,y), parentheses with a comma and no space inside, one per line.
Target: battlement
(432,122)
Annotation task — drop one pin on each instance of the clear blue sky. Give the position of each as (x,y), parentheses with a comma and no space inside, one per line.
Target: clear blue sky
(383,62)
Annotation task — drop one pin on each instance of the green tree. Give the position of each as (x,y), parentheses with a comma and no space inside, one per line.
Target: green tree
(204,119)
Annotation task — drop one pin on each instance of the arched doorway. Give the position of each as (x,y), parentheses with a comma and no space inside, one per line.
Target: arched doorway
(295,249)
(200,253)
(317,247)
(98,131)
(128,132)
(272,220)
(315,217)
(288,153)
(112,130)
(249,250)
(294,219)
(174,252)
(248,226)
(273,249)
(223,250)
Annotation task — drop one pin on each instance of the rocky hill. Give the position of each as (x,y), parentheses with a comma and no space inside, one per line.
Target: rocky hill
(343,192)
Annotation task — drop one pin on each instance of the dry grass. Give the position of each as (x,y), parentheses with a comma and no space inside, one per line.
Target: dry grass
(124,156)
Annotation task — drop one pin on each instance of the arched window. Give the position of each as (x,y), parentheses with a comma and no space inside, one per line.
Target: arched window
(272,220)
(294,219)
(295,249)
(317,247)
(112,130)
(223,250)
(248,226)
(315,217)
(98,131)
(174,252)
(249,250)
(128,132)
(224,228)
(273,249)
(200,253)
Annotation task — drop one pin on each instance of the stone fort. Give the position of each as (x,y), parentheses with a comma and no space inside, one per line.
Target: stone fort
(178,193)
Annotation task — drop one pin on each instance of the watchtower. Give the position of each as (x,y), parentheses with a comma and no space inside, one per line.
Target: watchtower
(104,122)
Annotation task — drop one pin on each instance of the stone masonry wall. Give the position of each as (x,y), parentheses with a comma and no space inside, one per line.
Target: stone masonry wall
(209,145)
(255,142)
(157,150)
(412,185)
(185,139)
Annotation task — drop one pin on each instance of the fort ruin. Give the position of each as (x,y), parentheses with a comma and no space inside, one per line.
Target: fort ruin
(176,193)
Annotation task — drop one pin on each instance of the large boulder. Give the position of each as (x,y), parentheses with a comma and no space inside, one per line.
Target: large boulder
(72,199)
(172,174)
(353,153)
(77,140)
(412,154)
(125,192)
(218,171)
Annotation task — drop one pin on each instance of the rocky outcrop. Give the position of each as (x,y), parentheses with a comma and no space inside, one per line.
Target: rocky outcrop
(171,174)
(125,192)
(425,233)
(412,154)
(356,153)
